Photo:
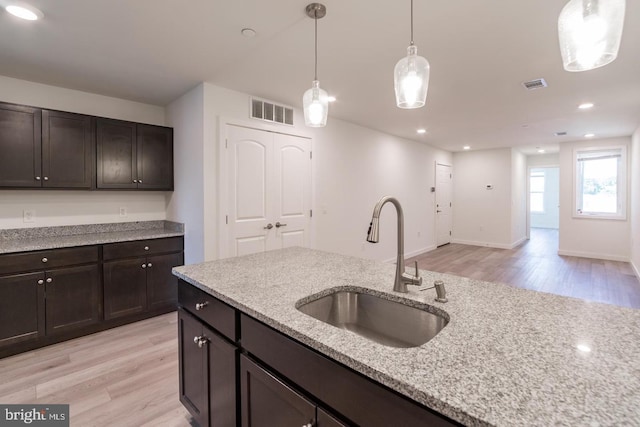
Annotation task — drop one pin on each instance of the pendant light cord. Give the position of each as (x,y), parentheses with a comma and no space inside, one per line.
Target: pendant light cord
(411,22)
(316,36)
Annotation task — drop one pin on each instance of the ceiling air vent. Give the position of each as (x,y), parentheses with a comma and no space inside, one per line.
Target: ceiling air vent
(560,133)
(271,112)
(534,84)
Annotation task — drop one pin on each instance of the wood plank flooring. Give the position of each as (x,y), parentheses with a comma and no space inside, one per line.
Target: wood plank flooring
(127,376)
(536,265)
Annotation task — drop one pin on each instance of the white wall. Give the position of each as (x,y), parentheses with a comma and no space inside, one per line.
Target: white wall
(518,197)
(352,168)
(635,201)
(481,216)
(55,207)
(590,238)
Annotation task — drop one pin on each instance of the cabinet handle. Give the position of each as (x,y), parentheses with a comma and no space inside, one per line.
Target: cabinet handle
(146,248)
(40,282)
(139,181)
(200,341)
(38,178)
(201,305)
(49,280)
(46,178)
(144,265)
(135,181)
(308,425)
(44,260)
(149,265)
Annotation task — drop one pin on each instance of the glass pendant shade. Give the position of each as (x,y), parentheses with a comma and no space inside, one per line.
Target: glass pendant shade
(411,79)
(315,102)
(590,32)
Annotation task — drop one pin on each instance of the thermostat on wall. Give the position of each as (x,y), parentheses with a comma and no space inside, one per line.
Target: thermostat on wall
(489,187)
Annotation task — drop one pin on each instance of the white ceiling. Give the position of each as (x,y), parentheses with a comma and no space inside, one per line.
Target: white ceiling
(480,52)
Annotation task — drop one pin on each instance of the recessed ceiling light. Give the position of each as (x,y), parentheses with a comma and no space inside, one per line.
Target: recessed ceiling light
(24,11)
(331,98)
(248,32)
(589,135)
(585,106)
(466,147)
(541,150)
(421,131)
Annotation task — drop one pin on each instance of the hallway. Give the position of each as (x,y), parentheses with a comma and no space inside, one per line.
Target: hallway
(536,265)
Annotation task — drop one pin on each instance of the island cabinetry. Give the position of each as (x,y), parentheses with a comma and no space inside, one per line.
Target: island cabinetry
(45,294)
(134,156)
(208,355)
(137,276)
(45,148)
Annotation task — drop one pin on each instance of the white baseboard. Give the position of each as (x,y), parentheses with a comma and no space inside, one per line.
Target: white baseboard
(413,253)
(490,244)
(593,255)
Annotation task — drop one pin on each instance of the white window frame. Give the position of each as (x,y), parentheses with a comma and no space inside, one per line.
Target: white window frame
(621,184)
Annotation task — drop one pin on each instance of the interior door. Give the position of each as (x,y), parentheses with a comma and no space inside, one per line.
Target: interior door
(269,190)
(443,204)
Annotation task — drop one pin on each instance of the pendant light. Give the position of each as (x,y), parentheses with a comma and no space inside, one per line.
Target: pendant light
(590,33)
(315,100)
(411,77)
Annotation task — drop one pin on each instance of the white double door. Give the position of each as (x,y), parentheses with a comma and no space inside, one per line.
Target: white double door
(269,193)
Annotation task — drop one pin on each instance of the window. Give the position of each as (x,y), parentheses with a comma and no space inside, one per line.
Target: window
(536,191)
(601,183)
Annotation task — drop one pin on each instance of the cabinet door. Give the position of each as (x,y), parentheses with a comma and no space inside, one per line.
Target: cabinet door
(326,420)
(72,298)
(268,402)
(20,146)
(193,369)
(125,287)
(116,154)
(67,150)
(222,362)
(155,157)
(22,309)
(162,286)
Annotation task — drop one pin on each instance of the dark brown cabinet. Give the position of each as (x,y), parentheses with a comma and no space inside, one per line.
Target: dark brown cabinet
(134,156)
(54,297)
(45,149)
(20,146)
(137,276)
(208,366)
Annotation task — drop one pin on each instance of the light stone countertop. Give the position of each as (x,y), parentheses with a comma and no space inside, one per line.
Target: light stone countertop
(508,356)
(42,238)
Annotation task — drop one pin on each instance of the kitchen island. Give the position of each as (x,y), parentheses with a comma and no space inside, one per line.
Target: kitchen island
(507,356)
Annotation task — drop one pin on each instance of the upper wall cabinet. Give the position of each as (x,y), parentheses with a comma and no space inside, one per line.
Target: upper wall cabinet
(42,148)
(134,156)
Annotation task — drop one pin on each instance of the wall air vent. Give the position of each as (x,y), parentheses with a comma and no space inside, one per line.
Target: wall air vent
(534,84)
(560,133)
(269,111)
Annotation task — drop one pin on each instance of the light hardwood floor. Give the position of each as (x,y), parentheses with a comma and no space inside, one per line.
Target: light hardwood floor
(536,265)
(128,376)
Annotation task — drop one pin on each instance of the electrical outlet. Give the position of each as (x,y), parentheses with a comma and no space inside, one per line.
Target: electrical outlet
(29,215)
(123,211)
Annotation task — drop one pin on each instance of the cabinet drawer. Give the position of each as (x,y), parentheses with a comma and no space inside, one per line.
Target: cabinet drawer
(44,260)
(210,310)
(141,248)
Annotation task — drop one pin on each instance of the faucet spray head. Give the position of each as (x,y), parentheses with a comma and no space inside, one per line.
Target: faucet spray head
(373,235)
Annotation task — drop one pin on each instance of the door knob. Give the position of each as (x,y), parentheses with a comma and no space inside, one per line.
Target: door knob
(269,226)
(437,211)
(278,225)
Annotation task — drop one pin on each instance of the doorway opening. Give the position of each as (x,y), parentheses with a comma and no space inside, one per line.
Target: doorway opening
(544,205)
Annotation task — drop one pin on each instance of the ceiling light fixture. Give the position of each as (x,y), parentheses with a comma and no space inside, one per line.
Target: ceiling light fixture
(331,98)
(589,135)
(248,32)
(24,11)
(585,106)
(421,131)
(590,32)
(315,100)
(466,147)
(541,150)
(411,77)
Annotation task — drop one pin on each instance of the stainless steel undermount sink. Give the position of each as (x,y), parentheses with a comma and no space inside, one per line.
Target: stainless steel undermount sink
(381,320)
